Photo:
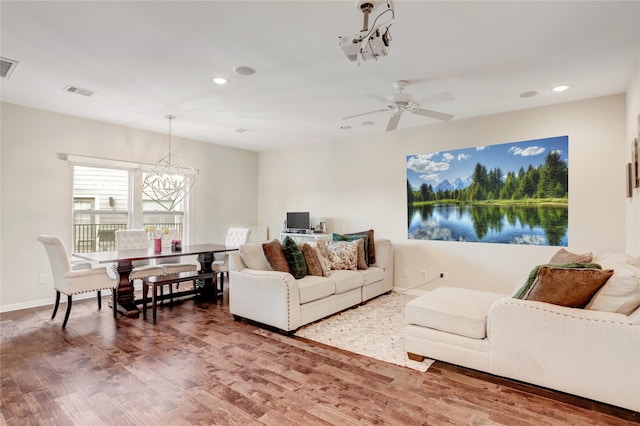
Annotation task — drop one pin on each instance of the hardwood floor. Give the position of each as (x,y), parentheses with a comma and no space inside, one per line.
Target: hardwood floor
(197,366)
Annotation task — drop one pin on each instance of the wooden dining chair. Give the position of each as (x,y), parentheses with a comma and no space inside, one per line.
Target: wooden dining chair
(71,282)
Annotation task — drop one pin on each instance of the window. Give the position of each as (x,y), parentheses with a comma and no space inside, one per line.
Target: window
(107,199)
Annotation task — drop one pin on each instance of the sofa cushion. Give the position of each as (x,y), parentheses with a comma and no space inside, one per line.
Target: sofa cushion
(253,256)
(563,256)
(571,287)
(311,258)
(346,280)
(313,288)
(371,246)
(453,310)
(372,275)
(295,258)
(621,293)
(343,254)
(275,256)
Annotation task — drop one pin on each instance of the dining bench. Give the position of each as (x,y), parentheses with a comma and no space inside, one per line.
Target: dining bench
(161,280)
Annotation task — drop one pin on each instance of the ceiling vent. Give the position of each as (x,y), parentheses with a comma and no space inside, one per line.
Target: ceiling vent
(7,67)
(78,90)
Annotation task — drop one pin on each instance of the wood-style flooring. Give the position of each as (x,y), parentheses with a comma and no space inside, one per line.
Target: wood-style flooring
(197,366)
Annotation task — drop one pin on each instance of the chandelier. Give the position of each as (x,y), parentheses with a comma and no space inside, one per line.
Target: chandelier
(169,180)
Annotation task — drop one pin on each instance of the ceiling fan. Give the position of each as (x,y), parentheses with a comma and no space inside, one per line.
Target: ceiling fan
(401,102)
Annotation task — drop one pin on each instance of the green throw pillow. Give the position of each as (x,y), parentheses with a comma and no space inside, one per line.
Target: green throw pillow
(295,258)
(353,237)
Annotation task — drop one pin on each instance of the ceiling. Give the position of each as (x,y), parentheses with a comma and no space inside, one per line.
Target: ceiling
(148,59)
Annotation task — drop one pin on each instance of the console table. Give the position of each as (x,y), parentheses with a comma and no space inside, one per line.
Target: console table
(302,238)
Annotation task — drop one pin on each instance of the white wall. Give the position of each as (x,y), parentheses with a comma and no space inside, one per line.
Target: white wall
(360,183)
(36,188)
(633,131)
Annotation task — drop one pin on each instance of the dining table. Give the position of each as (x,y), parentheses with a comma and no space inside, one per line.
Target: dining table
(122,261)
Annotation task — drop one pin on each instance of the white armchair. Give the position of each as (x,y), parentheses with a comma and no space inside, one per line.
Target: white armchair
(71,282)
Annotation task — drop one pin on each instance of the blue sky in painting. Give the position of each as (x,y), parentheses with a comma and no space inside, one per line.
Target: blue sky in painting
(433,168)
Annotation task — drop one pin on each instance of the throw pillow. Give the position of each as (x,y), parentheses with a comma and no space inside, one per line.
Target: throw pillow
(563,256)
(253,256)
(311,258)
(571,287)
(354,237)
(371,246)
(621,293)
(275,256)
(362,257)
(524,290)
(325,263)
(343,254)
(295,258)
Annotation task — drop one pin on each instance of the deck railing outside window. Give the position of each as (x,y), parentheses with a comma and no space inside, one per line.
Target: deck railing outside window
(102,237)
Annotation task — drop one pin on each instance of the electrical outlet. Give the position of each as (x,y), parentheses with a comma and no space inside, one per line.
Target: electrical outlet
(444,276)
(43,278)
(406,272)
(424,274)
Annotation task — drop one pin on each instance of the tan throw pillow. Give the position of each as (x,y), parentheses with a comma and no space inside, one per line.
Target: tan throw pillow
(253,256)
(621,293)
(564,256)
(361,261)
(343,254)
(572,287)
(325,263)
(275,256)
(313,264)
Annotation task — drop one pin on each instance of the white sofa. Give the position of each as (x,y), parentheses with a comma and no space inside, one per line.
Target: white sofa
(277,299)
(586,352)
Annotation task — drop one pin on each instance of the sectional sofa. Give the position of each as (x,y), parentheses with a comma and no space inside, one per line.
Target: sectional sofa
(276,299)
(592,352)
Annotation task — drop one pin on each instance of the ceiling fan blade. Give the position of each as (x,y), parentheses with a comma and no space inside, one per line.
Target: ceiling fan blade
(434,99)
(433,114)
(363,113)
(393,121)
(380,99)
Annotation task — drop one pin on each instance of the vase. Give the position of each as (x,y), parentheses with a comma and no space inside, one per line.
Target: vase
(157,245)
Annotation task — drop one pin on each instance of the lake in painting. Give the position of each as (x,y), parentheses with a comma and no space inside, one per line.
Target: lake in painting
(511,224)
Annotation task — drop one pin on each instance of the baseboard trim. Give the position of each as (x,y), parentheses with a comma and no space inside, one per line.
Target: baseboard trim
(45,302)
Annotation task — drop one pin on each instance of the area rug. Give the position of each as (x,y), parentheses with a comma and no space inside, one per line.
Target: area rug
(375,329)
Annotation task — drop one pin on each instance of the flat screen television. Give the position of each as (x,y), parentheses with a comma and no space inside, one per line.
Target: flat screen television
(298,220)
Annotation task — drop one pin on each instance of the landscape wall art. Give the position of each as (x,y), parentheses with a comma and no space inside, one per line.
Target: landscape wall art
(510,193)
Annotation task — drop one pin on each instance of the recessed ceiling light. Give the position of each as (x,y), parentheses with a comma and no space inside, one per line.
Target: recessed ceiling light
(244,70)
(220,80)
(368,123)
(561,88)
(345,127)
(528,94)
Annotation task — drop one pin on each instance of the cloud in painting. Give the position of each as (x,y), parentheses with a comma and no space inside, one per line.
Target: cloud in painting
(423,163)
(527,152)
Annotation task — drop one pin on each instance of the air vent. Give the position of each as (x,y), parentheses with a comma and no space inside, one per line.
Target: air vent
(241,130)
(7,67)
(78,90)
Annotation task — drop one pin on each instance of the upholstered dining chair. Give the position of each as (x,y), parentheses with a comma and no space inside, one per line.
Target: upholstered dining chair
(71,282)
(235,238)
(172,265)
(131,239)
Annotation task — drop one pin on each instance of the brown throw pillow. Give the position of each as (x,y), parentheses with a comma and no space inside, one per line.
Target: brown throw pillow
(567,286)
(371,247)
(313,264)
(564,256)
(275,256)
